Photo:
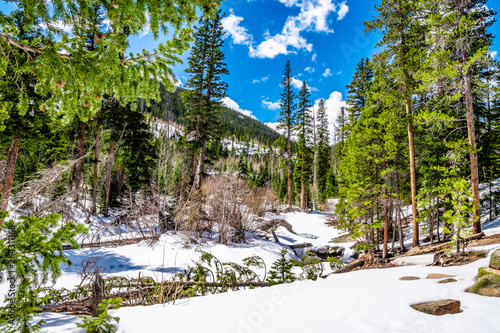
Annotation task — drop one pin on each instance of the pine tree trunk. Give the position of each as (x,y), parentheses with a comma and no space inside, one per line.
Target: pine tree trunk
(201,166)
(476,225)
(109,169)
(79,162)
(8,177)
(289,168)
(386,232)
(401,240)
(94,176)
(315,165)
(302,187)
(413,177)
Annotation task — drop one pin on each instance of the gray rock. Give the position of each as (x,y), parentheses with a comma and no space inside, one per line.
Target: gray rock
(326,251)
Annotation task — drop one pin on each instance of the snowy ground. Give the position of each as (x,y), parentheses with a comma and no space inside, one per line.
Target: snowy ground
(362,301)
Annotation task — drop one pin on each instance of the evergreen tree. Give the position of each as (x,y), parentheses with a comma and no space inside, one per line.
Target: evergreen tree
(206,65)
(281,270)
(460,44)
(287,120)
(403,38)
(304,133)
(357,90)
(323,148)
(74,82)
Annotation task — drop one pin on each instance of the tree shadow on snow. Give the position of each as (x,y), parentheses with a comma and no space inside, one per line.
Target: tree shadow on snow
(111,262)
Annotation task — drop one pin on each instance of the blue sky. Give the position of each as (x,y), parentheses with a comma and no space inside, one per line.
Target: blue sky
(323,39)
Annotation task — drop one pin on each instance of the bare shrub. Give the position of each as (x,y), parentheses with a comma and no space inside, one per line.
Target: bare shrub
(233,207)
(190,215)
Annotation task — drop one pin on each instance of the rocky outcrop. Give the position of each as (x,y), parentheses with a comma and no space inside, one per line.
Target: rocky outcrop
(326,251)
(439,276)
(487,271)
(495,260)
(487,285)
(439,308)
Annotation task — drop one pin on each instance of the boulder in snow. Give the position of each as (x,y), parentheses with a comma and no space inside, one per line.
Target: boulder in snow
(495,260)
(487,285)
(439,276)
(326,251)
(439,308)
(487,271)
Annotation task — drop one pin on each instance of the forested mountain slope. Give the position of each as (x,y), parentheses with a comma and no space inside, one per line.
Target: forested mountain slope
(242,127)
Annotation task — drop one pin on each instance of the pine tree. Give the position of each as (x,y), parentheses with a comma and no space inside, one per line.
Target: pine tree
(287,120)
(74,82)
(403,38)
(323,148)
(357,90)
(461,41)
(304,133)
(281,270)
(206,65)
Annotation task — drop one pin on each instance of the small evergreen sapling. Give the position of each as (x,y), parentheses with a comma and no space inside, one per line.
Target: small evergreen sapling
(34,251)
(281,270)
(311,266)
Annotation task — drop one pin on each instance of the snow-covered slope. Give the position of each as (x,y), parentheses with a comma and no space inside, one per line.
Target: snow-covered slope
(362,301)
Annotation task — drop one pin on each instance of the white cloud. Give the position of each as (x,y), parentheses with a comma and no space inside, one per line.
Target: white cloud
(263,79)
(274,126)
(493,54)
(338,73)
(333,105)
(296,83)
(342,11)
(233,105)
(309,69)
(314,56)
(147,27)
(232,26)
(312,17)
(175,81)
(58,25)
(327,73)
(271,105)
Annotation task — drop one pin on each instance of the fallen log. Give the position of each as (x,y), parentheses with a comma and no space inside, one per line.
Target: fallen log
(300,246)
(113,243)
(347,268)
(85,304)
(435,248)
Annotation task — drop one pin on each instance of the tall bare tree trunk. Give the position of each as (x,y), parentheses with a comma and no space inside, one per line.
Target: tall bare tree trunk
(8,178)
(413,177)
(386,232)
(476,224)
(201,166)
(315,164)
(79,162)
(400,226)
(289,168)
(94,176)
(109,169)
(302,187)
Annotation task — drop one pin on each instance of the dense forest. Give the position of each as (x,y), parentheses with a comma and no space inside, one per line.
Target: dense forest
(87,129)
